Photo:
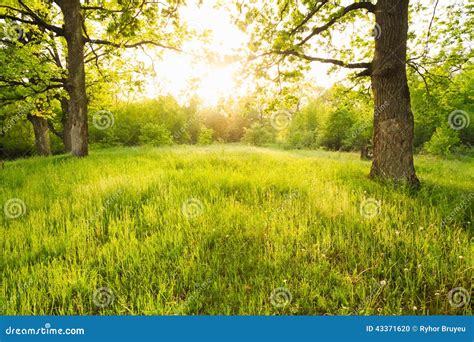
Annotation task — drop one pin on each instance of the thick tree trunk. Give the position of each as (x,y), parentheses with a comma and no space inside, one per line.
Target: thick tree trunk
(76,84)
(40,127)
(66,136)
(393,119)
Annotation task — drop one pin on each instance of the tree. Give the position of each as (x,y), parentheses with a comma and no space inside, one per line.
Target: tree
(30,80)
(123,21)
(284,32)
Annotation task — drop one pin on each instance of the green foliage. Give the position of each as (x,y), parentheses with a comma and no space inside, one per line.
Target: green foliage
(206,136)
(442,141)
(265,219)
(304,128)
(259,135)
(155,135)
(129,121)
(337,130)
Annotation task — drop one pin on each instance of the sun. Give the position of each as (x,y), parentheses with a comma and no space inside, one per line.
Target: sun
(213,79)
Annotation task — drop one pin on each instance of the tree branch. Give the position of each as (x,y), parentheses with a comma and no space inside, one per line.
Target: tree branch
(40,22)
(355,6)
(308,17)
(338,62)
(130,45)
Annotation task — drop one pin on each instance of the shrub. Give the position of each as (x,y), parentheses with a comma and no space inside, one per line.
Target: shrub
(205,136)
(155,135)
(337,130)
(259,135)
(442,141)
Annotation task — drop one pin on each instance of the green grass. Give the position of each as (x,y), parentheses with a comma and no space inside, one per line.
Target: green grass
(259,220)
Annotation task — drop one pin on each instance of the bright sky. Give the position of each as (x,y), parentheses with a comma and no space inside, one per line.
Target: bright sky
(217,78)
(213,79)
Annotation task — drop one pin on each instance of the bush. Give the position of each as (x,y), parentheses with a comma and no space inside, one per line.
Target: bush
(442,141)
(304,129)
(155,135)
(359,135)
(301,139)
(337,130)
(259,135)
(205,136)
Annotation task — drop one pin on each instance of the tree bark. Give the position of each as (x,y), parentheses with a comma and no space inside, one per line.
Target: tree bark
(393,118)
(41,130)
(66,136)
(76,83)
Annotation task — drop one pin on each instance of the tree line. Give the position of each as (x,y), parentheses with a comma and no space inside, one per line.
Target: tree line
(59,50)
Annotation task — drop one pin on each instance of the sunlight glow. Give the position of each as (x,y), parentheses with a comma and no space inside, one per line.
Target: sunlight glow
(215,78)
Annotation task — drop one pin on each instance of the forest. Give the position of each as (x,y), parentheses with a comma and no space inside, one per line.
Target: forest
(294,157)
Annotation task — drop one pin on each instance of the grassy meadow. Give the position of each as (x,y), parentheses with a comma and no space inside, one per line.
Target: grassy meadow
(231,230)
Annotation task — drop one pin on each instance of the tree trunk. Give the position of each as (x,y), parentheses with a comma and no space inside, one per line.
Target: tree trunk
(40,127)
(393,119)
(66,136)
(76,83)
